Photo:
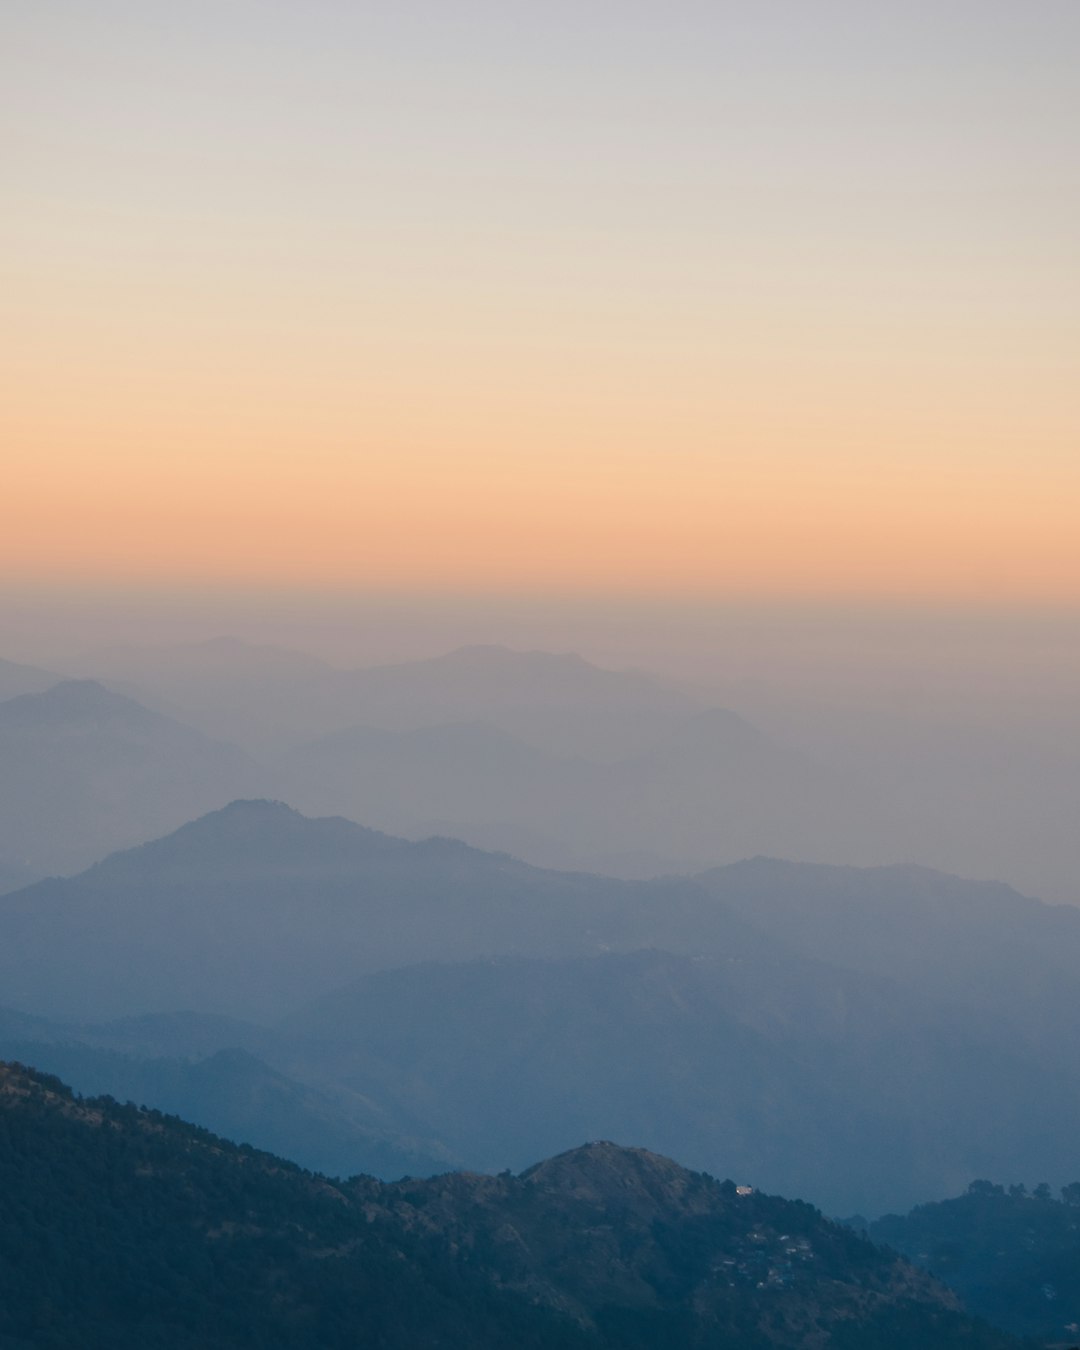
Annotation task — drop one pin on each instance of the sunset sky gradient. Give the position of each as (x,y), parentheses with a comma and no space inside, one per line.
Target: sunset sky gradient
(755,299)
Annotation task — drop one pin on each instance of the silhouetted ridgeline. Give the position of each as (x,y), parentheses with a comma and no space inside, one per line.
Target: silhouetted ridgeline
(122,1228)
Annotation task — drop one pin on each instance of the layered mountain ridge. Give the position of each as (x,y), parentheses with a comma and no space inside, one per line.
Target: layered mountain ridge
(412,1000)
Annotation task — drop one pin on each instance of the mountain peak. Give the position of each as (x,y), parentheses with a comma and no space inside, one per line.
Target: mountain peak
(614,1176)
(250,837)
(250,818)
(254,808)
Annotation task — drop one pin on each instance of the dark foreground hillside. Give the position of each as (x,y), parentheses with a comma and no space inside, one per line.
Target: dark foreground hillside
(123,1228)
(1013,1254)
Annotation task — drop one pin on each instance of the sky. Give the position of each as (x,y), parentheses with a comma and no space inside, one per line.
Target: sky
(720,302)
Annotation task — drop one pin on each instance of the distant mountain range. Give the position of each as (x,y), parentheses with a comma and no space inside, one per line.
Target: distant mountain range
(254,909)
(571,764)
(391,999)
(711,787)
(866,1037)
(556,760)
(268,697)
(84,770)
(124,1228)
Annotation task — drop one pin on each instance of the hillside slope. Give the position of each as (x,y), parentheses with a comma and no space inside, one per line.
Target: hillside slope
(84,770)
(122,1228)
(1013,1254)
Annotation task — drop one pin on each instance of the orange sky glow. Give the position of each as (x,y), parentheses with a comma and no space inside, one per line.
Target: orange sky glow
(796,324)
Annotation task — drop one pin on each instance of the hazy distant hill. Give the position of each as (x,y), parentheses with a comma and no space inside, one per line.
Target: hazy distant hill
(125,1229)
(265,696)
(252,694)
(254,909)
(557,702)
(542,849)
(201,668)
(709,786)
(213,1072)
(461,774)
(1010,958)
(688,784)
(959,780)
(568,760)
(237,1095)
(801,1076)
(84,770)
(16,679)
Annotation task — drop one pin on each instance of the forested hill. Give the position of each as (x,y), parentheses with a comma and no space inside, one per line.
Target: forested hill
(123,1228)
(1013,1254)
